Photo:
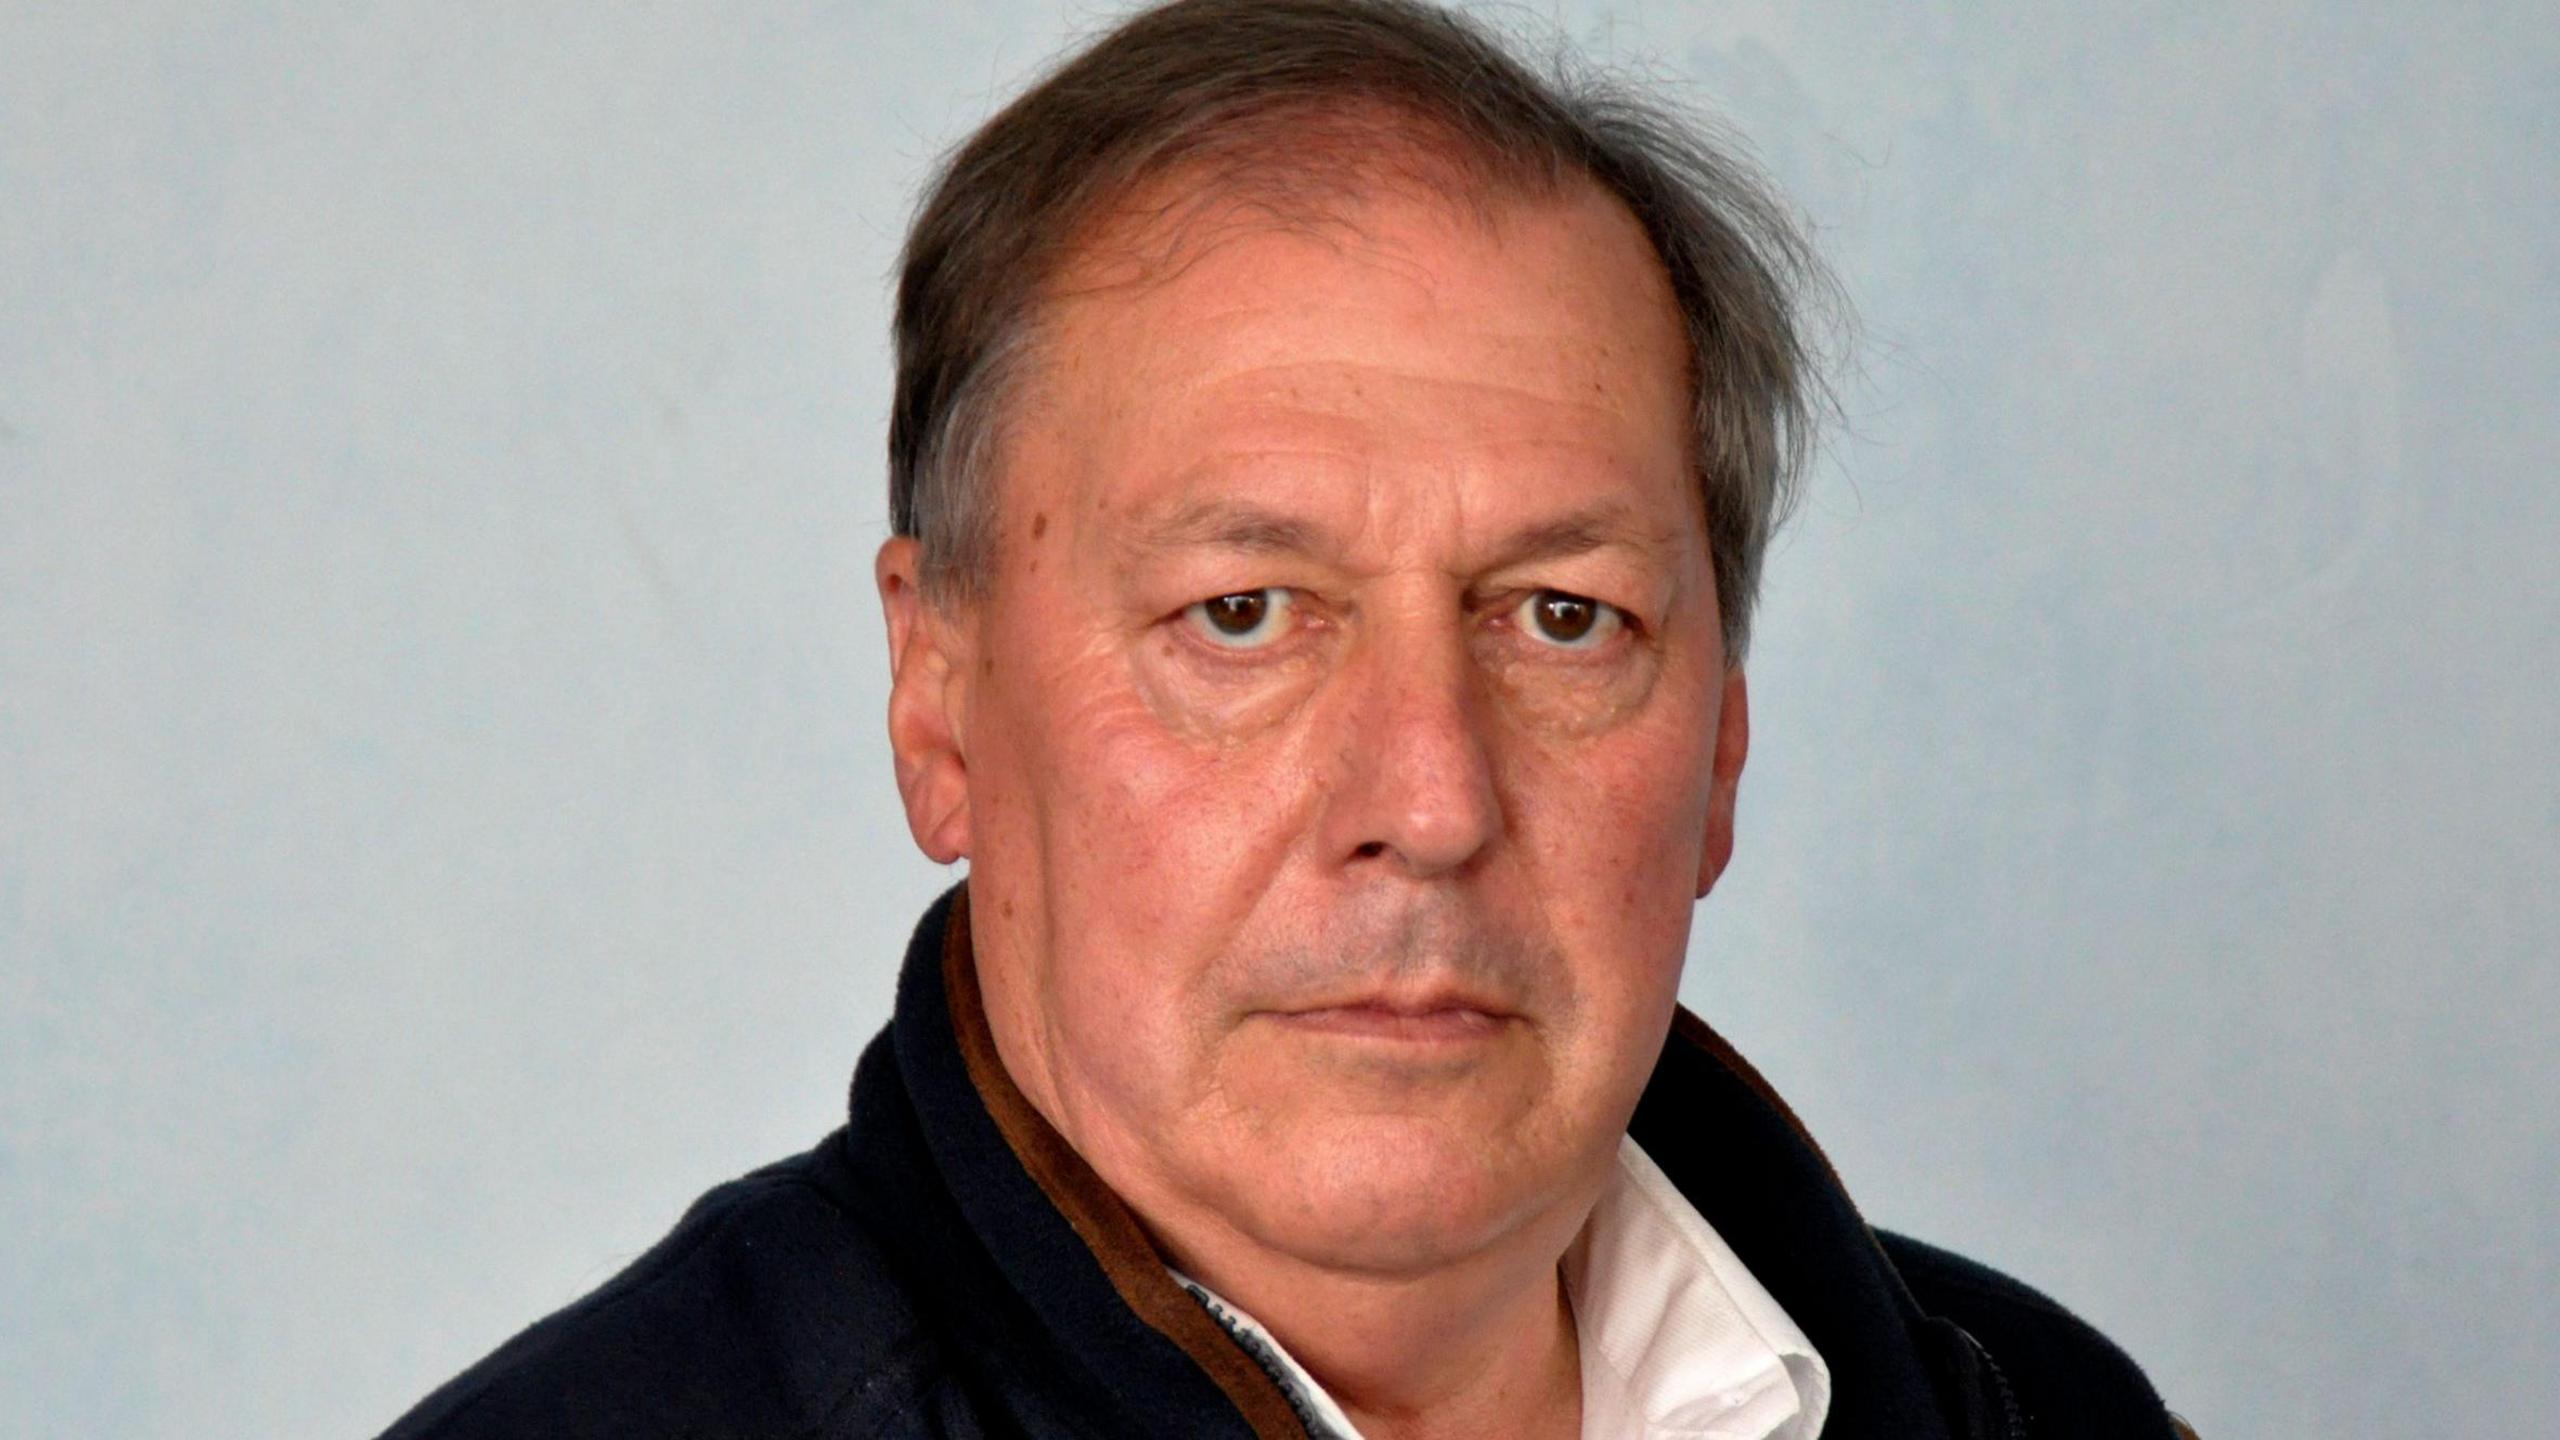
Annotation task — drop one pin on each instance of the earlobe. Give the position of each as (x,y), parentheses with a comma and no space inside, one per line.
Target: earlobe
(1733,745)
(926,708)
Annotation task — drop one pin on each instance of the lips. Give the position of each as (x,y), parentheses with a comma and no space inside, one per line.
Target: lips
(1420,1019)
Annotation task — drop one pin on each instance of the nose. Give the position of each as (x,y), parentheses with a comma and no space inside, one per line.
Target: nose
(1414,782)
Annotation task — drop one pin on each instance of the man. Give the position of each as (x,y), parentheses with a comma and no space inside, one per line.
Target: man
(1330,470)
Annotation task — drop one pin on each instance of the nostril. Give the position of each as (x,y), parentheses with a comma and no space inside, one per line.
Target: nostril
(1370,851)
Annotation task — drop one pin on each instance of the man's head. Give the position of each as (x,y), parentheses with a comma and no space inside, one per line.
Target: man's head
(1331,468)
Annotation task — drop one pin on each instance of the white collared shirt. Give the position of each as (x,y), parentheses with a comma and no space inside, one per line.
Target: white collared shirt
(1678,1341)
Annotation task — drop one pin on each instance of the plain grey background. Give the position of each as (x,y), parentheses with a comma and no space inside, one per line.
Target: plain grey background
(445,822)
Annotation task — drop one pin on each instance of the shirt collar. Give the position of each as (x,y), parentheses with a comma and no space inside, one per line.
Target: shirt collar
(1678,1340)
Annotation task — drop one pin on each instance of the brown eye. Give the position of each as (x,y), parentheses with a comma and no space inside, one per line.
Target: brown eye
(1573,622)
(1243,620)
(1238,614)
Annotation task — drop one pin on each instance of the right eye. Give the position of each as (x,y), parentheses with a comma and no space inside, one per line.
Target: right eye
(1243,620)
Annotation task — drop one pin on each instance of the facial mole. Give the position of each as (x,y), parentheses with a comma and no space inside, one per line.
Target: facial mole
(1039,524)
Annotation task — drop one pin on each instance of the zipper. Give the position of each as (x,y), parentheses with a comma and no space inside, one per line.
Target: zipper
(2011,1419)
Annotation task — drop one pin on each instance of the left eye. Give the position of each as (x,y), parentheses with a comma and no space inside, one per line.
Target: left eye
(1569,621)
(1243,620)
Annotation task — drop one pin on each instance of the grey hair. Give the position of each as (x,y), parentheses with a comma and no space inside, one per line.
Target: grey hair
(1215,84)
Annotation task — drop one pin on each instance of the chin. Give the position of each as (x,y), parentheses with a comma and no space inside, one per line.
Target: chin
(1394,1196)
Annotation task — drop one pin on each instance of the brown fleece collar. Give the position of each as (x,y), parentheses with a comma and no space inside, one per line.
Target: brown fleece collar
(1128,1258)
(1685,1025)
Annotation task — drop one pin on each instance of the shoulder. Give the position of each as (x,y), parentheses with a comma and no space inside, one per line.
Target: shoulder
(769,1309)
(2068,1378)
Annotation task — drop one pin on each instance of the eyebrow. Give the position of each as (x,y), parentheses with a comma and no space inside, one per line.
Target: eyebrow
(1600,527)
(1229,523)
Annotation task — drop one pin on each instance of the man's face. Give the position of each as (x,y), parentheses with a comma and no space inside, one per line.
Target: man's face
(1345,733)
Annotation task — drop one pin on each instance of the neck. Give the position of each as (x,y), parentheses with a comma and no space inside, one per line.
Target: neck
(1446,1355)
(1481,1345)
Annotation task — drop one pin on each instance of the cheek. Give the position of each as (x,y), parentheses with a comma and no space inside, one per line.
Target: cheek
(1149,845)
(1169,820)
(1613,827)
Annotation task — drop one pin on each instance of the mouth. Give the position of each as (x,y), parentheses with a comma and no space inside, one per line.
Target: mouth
(1447,1020)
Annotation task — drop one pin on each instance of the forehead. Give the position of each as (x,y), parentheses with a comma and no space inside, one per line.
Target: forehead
(1400,333)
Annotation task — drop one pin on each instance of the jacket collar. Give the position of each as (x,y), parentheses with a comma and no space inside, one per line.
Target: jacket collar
(1740,1157)
(1078,1266)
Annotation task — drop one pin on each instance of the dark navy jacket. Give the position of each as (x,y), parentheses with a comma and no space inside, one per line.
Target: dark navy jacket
(944,1266)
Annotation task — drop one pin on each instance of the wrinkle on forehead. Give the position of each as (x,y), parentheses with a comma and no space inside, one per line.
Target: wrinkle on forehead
(1309,488)
(1337,380)
(1391,357)
(1334,343)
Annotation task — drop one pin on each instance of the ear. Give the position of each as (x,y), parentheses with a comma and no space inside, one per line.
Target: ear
(928,703)
(1733,742)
